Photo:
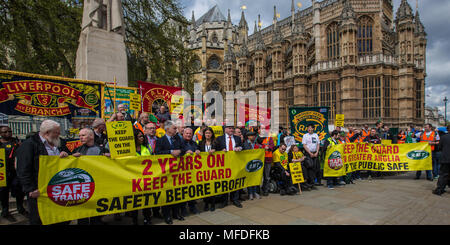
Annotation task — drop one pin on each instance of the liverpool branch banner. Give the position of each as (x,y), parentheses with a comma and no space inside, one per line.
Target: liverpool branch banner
(346,158)
(36,95)
(72,188)
(301,117)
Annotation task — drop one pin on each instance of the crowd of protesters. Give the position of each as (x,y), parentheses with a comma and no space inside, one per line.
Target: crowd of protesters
(22,159)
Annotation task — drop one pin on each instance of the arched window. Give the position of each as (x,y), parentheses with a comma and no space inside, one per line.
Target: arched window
(214,38)
(213,62)
(365,26)
(333,41)
(197,63)
(214,86)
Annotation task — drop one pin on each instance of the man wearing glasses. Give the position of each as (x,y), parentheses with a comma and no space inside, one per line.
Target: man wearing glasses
(150,133)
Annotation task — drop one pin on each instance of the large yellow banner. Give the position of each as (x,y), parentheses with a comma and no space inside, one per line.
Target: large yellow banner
(72,188)
(345,158)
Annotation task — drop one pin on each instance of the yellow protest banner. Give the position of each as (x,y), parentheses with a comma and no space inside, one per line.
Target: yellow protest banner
(345,158)
(296,172)
(135,102)
(121,139)
(339,122)
(386,142)
(72,188)
(2,168)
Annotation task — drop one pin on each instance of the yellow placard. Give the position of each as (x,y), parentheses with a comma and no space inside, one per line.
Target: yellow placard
(2,168)
(175,103)
(346,158)
(73,188)
(296,172)
(339,122)
(218,130)
(121,139)
(135,102)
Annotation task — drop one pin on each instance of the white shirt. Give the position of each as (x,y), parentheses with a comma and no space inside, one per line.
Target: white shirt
(227,141)
(311,141)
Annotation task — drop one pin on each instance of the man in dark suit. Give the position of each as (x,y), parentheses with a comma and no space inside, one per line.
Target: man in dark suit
(444,145)
(230,142)
(190,147)
(171,144)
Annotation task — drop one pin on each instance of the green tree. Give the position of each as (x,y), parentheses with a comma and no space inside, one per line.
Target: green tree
(40,36)
(155,31)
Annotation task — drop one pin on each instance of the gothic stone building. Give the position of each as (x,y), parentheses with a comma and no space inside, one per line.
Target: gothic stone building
(353,56)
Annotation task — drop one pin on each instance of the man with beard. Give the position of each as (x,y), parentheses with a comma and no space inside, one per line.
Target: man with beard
(45,142)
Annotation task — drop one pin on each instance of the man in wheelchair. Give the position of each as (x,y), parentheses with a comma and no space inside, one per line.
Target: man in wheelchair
(280,173)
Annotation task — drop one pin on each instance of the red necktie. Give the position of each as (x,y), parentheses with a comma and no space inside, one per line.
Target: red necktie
(230,144)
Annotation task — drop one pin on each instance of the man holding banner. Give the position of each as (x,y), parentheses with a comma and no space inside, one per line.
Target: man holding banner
(170,144)
(432,138)
(45,142)
(230,142)
(89,148)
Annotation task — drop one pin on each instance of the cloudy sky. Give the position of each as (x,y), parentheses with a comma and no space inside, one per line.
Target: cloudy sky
(433,13)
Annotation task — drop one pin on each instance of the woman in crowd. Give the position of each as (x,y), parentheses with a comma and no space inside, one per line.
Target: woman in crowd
(142,149)
(208,144)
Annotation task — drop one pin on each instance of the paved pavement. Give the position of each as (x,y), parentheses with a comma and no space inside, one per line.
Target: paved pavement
(391,200)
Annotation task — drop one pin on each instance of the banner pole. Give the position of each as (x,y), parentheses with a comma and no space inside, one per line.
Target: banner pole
(115,94)
(299,188)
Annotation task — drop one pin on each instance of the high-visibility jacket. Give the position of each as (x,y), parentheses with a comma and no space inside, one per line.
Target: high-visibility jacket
(350,135)
(401,139)
(332,143)
(266,142)
(344,141)
(431,138)
(365,134)
(144,151)
(137,125)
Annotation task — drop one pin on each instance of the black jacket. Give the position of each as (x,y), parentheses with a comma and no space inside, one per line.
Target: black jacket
(222,143)
(163,146)
(28,161)
(189,145)
(444,145)
(100,140)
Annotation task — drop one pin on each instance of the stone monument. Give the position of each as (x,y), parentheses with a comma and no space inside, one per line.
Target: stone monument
(101,53)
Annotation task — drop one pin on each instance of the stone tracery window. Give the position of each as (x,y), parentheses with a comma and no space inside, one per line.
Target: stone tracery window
(371,97)
(364,36)
(333,41)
